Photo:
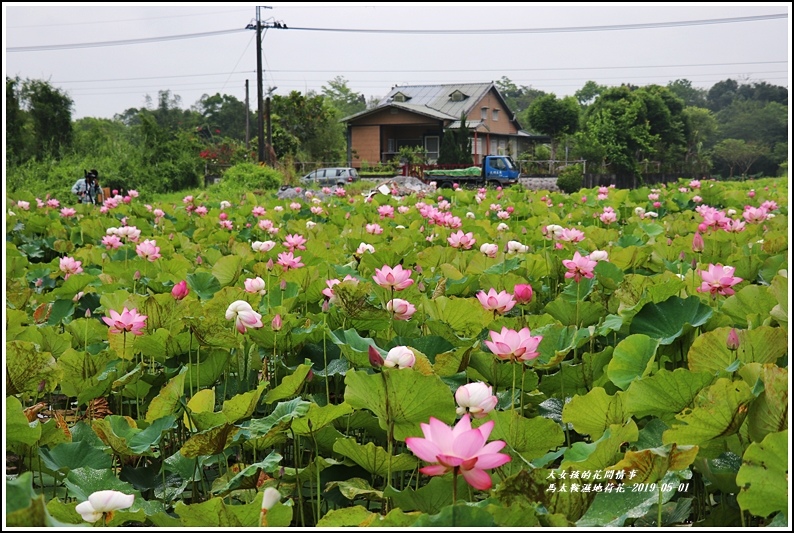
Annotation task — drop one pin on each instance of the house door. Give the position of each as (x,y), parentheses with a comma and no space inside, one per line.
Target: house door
(432,146)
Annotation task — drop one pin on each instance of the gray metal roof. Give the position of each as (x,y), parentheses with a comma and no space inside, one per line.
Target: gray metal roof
(437,97)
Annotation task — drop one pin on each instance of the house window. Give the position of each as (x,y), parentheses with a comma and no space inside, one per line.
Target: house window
(495,116)
(401,97)
(484,113)
(457,96)
(432,147)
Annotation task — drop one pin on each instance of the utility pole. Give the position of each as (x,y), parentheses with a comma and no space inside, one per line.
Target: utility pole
(260,123)
(260,120)
(247,119)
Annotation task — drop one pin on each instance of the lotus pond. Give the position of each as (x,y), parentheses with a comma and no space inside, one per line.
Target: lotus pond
(477,358)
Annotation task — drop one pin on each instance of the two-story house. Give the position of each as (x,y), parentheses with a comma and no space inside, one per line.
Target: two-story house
(418,115)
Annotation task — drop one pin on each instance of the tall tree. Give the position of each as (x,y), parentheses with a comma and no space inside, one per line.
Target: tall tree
(739,154)
(343,98)
(16,138)
(50,112)
(456,145)
(589,92)
(554,117)
(313,122)
(224,115)
(692,96)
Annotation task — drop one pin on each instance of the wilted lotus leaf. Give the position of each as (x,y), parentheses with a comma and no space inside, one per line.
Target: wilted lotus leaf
(652,465)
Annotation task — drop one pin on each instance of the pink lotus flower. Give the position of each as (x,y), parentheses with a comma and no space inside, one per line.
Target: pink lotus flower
(400,309)
(514,345)
(226,224)
(180,290)
(293,242)
(201,210)
(475,398)
(572,235)
(187,199)
(608,217)
(501,302)
(111,242)
(68,212)
(22,204)
(244,316)
(395,278)
(374,229)
(460,449)
(461,240)
(599,255)
(489,249)
(69,266)
(258,211)
(128,320)
(522,293)
(386,211)
(579,267)
(260,246)
(255,285)
(288,261)
(695,184)
(718,279)
(364,247)
(52,202)
(399,357)
(148,249)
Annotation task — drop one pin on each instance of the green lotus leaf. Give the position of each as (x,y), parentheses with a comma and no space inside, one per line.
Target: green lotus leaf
(779,289)
(318,417)
(497,373)
(248,477)
(353,346)
(636,291)
(404,397)
(429,498)
(24,508)
(451,362)
(651,465)
(594,412)
(242,406)
(281,417)
(84,481)
(531,437)
(749,307)
(763,476)
(518,514)
(29,370)
(769,412)
(213,513)
(204,284)
(167,401)
(69,456)
(721,471)
(581,314)
(430,345)
(466,316)
(85,331)
(608,275)
(508,265)
(456,515)
(632,359)
(214,332)
(612,509)
(578,291)
(709,352)
(207,371)
(718,411)
(557,342)
(290,385)
(18,429)
(126,439)
(664,393)
(356,516)
(627,256)
(602,453)
(211,442)
(533,487)
(355,488)
(374,459)
(666,320)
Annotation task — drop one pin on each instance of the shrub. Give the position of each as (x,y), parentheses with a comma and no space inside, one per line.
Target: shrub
(250,177)
(571,179)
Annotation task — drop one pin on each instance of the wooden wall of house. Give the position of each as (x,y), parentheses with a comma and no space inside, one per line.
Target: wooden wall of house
(503,125)
(366,142)
(401,117)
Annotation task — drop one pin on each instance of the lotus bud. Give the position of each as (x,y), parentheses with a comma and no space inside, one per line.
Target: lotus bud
(276,323)
(180,290)
(733,340)
(137,275)
(326,305)
(697,243)
(283,285)
(522,293)
(375,358)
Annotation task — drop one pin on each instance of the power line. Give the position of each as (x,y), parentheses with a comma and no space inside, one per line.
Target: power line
(501,31)
(117,21)
(374,71)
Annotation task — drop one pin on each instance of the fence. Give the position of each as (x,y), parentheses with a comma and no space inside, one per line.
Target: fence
(623,181)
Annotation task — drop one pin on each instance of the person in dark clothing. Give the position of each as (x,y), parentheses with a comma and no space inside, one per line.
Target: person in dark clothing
(87,188)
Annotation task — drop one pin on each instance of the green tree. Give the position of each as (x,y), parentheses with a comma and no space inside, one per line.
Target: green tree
(701,128)
(224,115)
(722,94)
(764,123)
(589,92)
(313,122)
(554,117)
(692,96)
(738,154)
(50,112)
(343,98)
(518,98)
(456,145)
(17,136)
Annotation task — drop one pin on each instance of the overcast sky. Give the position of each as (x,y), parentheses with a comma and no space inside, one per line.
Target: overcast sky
(547,46)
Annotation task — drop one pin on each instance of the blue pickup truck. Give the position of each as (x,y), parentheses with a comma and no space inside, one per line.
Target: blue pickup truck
(495,170)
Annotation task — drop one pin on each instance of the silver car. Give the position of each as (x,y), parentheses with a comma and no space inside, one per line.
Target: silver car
(331,176)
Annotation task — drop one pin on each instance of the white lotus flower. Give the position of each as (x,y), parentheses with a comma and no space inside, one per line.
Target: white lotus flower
(103,502)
